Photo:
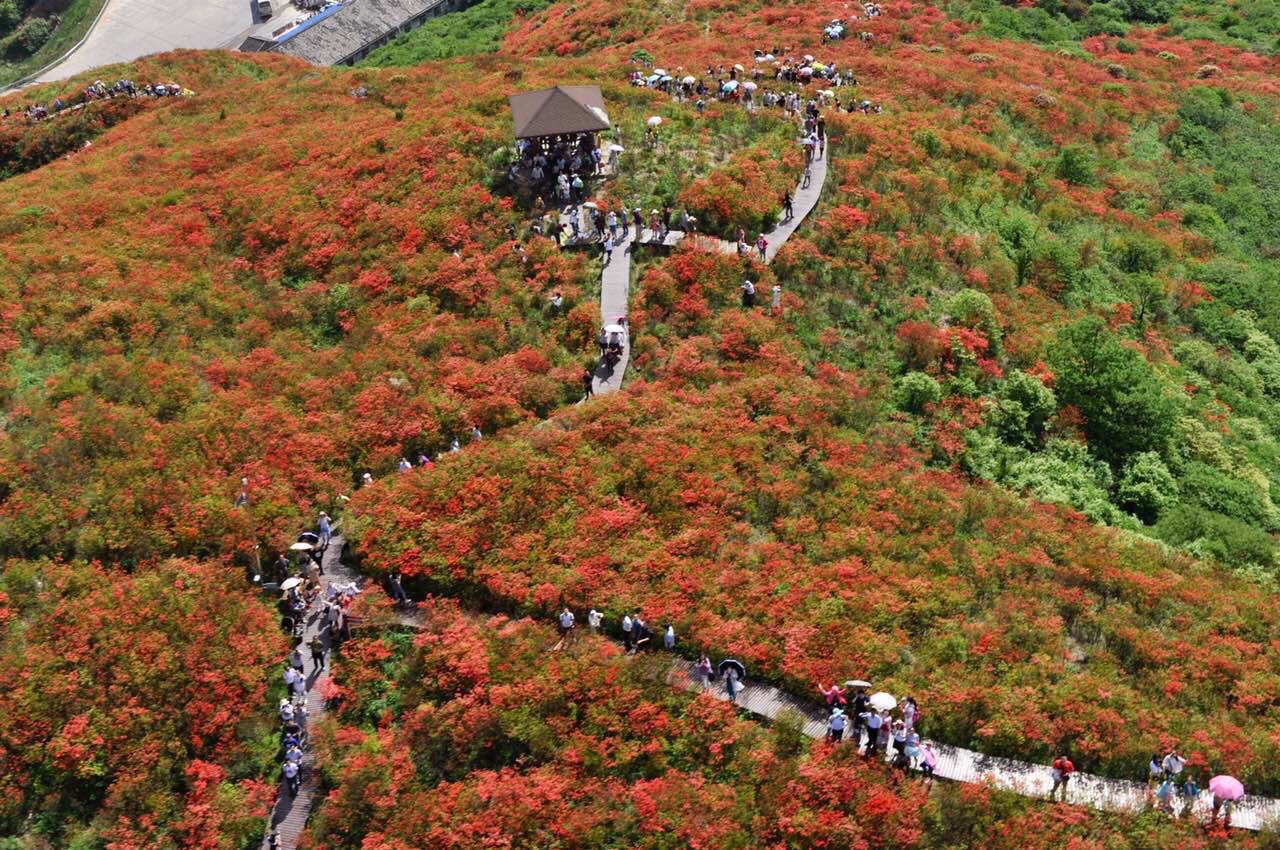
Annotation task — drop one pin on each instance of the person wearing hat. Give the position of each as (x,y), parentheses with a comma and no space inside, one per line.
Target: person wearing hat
(835,725)
(326,527)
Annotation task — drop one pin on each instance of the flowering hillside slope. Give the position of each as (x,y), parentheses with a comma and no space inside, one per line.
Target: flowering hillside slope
(1007,444)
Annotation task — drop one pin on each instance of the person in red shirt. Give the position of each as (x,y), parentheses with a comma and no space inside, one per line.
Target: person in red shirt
(1062,770)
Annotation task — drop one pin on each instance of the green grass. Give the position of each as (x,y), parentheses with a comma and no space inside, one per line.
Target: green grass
(76,20)
(479,29)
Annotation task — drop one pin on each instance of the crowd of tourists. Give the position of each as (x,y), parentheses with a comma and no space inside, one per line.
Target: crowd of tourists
(557,167)
(770,82)
(98,91)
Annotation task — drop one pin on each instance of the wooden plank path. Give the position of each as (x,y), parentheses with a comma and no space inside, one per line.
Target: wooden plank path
(763,700)
(962,765)
(289,817)
(615,279)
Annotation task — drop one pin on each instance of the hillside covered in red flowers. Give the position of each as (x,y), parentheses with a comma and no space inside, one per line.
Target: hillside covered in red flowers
(1008,444)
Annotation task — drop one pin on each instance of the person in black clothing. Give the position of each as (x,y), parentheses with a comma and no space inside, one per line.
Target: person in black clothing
(856,711)
(588,381)
(787,209)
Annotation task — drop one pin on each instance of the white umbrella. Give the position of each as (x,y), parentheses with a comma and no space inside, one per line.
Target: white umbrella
(302,547)
(591,205)
(617,148)
(690,80)
(857,683)
(883,702)
(827,93)
(749,86)
(661,72)
(614,329)
(739,68)
(654,121)
(808,58)
(290,583)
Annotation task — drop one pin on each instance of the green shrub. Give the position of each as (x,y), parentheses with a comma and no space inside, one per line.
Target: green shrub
(1213,535)
(915,390)
(1023,408)
(1075,165)
(1125,409)
(1147,488)
(32,33)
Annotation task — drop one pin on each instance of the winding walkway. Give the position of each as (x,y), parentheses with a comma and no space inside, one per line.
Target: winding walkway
(763,700)
(615,280)
(962,765)
(289,817)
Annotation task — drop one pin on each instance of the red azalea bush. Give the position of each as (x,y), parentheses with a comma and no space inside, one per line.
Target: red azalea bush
(135,701)
(745,192)
(752,518)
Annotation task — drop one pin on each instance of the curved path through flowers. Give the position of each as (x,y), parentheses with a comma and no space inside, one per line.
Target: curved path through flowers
(615,281)
(763,700)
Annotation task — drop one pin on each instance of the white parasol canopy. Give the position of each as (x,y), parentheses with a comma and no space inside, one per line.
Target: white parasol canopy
(290,583)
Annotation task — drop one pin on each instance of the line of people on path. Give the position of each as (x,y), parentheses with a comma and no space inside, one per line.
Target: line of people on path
(855,712)
(1171,788)
(98,91)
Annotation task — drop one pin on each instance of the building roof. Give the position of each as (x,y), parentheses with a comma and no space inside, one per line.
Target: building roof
(341,30)
(563,109)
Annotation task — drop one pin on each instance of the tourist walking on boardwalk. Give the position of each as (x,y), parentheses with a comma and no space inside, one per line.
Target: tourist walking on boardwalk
(318,650)
(910,712)
(290,770)
(872,721)
(748,294)
(669,638)
(293,753)
(326,528)
(286,710)
(788,211)
(588,384)
(611,221)
(835,725)
(833,695)
(627,628)
(762,246)
(566,622)
(1155,771)
(608,249)
(731,685)
(928,762)
(1173,764)
(594,619)
(704,671)
(1062,770)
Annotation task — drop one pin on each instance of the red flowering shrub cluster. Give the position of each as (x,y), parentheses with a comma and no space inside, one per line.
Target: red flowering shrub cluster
(137,702)
(472,732)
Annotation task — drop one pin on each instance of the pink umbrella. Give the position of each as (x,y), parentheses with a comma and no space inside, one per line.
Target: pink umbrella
(1226,787)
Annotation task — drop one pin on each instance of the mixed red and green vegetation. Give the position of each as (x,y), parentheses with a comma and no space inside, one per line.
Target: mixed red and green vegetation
(1008,446)
(471,733)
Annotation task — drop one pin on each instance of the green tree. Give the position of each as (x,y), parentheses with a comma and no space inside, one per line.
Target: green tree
(1147,488)
(1024,405)
(1113,387)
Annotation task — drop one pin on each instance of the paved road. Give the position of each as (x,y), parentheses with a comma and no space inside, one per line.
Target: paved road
(132,28)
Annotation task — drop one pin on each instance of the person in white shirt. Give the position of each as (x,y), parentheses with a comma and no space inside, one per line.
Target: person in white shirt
(626,631)
(594,619)
(835,725)
(566,622)
(1173,764)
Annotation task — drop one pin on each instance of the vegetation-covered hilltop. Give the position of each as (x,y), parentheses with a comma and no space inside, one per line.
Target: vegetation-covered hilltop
(1009,445)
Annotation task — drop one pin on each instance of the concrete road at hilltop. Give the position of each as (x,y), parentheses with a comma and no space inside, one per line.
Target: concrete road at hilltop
(132,28)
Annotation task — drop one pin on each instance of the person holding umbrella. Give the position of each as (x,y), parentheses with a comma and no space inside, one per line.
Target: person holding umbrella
(1226,791)
(734,672)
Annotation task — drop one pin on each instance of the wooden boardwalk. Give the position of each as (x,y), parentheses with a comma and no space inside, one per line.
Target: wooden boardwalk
(763,700)
(615,279)
(290,814)
(963,765)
